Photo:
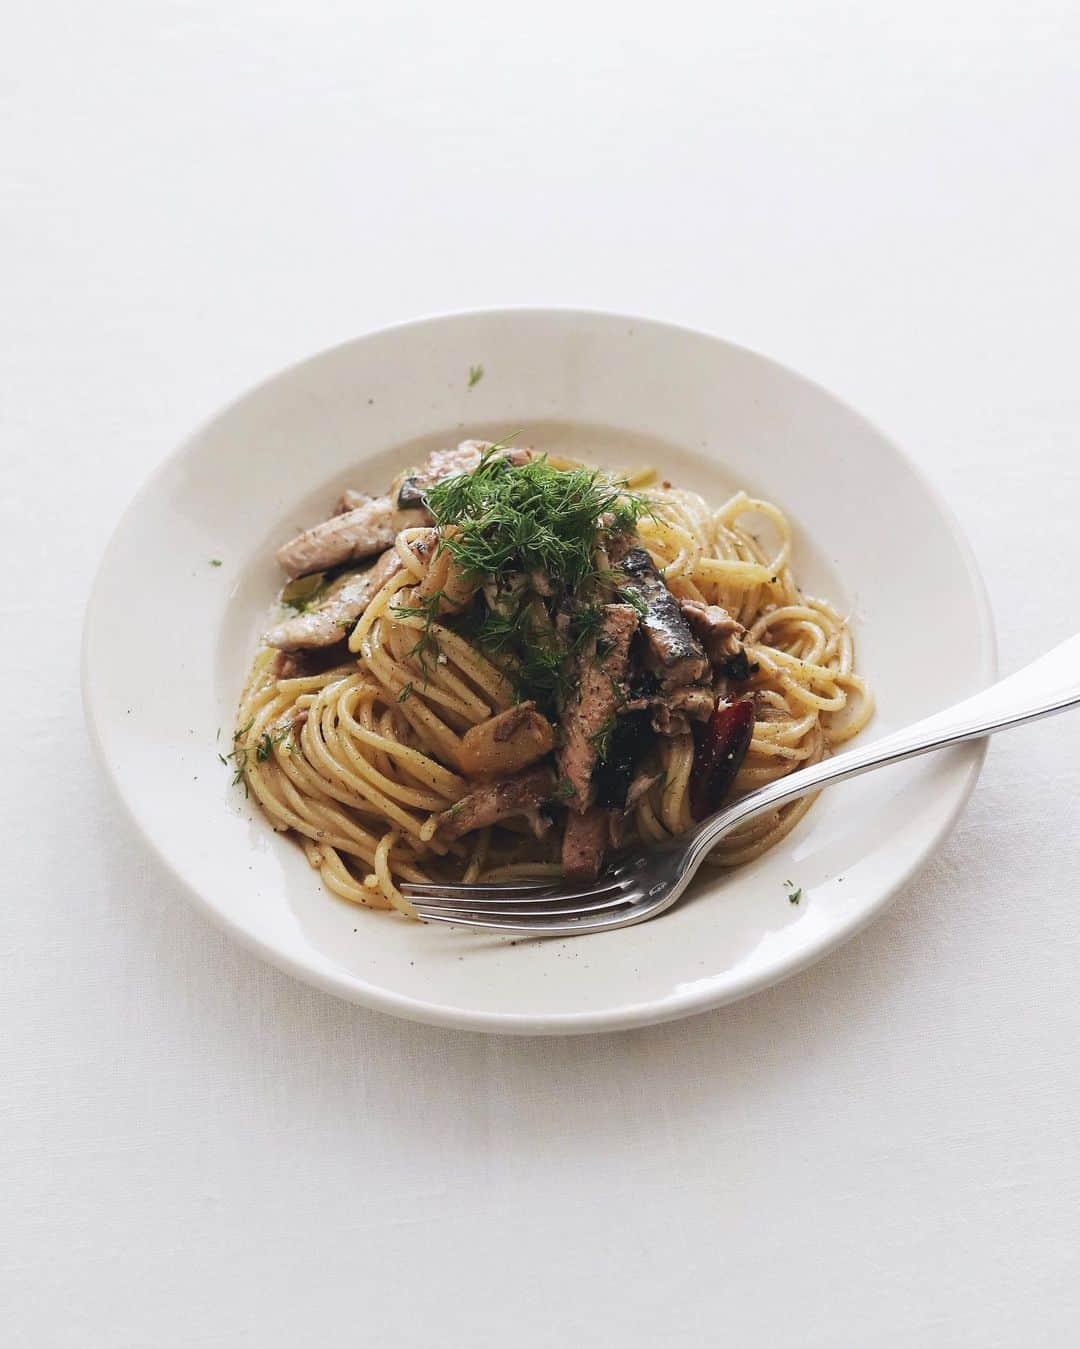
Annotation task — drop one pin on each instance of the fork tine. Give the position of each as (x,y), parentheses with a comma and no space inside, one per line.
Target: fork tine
(552,926)
(451,898)
(418,889)
(496,890)
(554,908)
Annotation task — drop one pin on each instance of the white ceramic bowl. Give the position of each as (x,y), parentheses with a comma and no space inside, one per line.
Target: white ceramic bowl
(168,638)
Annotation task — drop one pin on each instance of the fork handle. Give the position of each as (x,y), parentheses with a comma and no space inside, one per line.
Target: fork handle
(1048,685)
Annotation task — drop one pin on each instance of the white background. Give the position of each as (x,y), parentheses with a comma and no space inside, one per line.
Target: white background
(196,1151)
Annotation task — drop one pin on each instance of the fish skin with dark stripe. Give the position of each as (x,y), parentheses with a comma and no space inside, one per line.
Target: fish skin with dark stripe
(670,649)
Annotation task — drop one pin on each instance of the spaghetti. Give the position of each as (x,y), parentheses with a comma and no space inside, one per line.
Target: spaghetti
(364,760)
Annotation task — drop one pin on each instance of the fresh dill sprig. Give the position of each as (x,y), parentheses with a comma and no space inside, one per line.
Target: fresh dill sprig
(530,517)
(532,520)
(266,742)
(497,629)
(538,656)
(241,752)
(601,739)
(585,623)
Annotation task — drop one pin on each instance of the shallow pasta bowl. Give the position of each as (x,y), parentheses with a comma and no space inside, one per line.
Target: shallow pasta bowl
(186,581)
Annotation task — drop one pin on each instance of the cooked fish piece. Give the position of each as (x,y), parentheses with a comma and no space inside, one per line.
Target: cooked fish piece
(592,710)
(718,631)
(584,841)
(520,795)
(619,543)
(304,664)
(673,712)
(671,651)
(409,487)
(344,538)
(372,524)
(342,603)
(350,500)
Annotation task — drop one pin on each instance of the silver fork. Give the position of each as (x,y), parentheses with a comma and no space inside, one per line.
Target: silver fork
(640,887)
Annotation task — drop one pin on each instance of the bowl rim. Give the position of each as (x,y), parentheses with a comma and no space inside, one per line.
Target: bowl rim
(626,1016)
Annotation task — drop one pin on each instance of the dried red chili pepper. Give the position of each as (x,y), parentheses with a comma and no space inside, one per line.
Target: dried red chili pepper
(721,747)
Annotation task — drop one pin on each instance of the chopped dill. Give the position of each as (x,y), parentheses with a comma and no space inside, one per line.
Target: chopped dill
(632,596)
(585,623)
(476,374)
(601,740)
(239,756)
(497,629)
(405,691)
(530,517)
(508,524)
(265,746)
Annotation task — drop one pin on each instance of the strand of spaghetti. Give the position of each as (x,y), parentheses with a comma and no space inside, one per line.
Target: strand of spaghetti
(649,828)
(674,549)
(793,667)
(320,819)
(395,675)
(448,682)
(729,571)
(839,734)
(303,685)
(376,607)
(286,816)
(788,613)
(804,694)
(769,749)
(447,787)
(385,877)
(413,692)
(307,811)
(413,563)
(313,770)
(783,733)
(479,857)
(737,850)
(326,754)
(338,880)
(398,639)
(678,759)
(741,504)
(490,680)
(346,735)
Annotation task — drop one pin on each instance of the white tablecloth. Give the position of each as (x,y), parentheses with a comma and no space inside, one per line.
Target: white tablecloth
(197,1151)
